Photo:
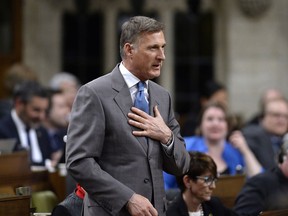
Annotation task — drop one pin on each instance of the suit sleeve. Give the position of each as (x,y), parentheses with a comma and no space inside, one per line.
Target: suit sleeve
(85,139)
(250,200)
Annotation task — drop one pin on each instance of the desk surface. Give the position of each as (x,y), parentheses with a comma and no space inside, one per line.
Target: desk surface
(13,205)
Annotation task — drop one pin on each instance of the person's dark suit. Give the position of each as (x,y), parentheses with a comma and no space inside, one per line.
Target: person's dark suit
(8,130)
(108,161)
(265,191)
(260,143)
(212,207)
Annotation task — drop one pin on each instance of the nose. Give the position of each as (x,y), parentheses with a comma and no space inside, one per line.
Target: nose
(161,54)
(213,185)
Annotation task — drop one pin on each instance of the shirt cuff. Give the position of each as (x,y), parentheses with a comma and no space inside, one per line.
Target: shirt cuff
(169,146)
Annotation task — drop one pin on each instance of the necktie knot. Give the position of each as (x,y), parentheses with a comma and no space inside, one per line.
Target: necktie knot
(141,86)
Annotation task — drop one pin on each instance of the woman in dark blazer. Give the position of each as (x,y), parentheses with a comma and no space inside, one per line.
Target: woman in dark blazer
(196,188)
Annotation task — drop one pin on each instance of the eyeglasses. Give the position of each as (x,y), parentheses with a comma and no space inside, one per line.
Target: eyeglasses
(208,180)
(278,115)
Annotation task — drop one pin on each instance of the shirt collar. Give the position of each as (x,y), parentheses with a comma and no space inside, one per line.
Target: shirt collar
(17,120)
(130,79)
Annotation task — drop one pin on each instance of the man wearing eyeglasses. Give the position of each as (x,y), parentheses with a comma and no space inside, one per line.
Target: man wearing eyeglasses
(266,138)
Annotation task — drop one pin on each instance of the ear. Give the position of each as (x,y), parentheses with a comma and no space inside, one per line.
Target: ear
(128,48)
(186,181)
(18,102)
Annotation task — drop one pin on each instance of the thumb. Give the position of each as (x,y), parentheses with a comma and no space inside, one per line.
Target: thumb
(156,111)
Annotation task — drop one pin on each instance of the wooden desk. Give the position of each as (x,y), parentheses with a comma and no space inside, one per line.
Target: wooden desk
(15,172)
(14,205)
(283,212)
(228,187)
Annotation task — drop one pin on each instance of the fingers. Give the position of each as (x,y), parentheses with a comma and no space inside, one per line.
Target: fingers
(140,206)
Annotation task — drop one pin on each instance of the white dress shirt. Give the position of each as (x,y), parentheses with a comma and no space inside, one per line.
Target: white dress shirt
(21,128)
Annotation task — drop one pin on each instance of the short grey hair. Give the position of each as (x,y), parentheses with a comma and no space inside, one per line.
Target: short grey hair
(58,78)
(135,26)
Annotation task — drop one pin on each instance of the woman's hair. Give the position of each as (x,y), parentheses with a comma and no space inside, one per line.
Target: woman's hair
(210,88)
(209,105)
(200,163)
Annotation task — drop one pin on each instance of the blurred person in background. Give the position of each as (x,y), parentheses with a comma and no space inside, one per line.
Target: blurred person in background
(231,154)
(266,191)
(68,84)
(24,122)
(265,139)
(197,187)
(14,75)
(211,91)
(56,123)
(267,95)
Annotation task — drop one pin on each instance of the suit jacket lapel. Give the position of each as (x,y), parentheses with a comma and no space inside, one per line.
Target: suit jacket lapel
(124,101)
(153,101)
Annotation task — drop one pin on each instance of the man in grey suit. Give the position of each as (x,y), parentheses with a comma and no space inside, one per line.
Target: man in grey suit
(116,151)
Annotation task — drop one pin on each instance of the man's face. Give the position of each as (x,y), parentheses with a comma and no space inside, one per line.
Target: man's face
(59,112)
(275,118)
(34,112)
(146,56)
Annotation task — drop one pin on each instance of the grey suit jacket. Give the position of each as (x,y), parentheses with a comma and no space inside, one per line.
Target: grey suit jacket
(108,161)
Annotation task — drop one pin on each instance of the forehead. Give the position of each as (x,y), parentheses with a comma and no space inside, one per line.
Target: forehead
(38,101)
(277,105)
(151,38)
(214,111)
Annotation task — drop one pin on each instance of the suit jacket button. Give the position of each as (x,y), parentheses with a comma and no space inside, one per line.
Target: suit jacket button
(146,180)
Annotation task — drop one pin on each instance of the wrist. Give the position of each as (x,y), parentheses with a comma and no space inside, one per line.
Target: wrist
(169,140)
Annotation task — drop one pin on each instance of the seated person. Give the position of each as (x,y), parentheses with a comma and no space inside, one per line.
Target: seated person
(30,102)
(56,123)
(197,186)
(267,95)
(230,157)
(265,191)
(13,76)
(265,139)
(211,91)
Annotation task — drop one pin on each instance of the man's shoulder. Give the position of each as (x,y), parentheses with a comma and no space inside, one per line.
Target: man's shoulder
(6,121)
(253,130)
(268,178)
(155,85)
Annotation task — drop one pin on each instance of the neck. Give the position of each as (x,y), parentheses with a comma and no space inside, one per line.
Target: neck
(215,147)
(193,204)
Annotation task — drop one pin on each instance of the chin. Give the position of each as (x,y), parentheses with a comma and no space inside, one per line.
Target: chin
(207,198)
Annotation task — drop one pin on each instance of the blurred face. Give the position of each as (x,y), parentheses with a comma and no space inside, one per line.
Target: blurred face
(201,190)
(69,90)
(214,125)
(146,56)
(275,119)
(34,112)
(59,112)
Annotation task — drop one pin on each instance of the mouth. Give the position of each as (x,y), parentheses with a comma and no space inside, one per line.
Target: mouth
(157,66)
